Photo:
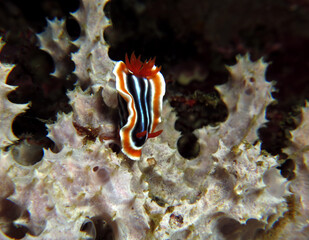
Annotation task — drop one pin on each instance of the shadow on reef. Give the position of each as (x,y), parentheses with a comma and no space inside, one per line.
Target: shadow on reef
(14,216)
(98,228)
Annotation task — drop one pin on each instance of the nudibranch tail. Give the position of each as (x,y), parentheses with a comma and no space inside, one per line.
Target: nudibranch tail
(141,88)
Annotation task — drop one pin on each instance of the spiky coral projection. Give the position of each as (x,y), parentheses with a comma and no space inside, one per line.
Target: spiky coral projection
(232,190)
(296,223)
(231,182)
(8,110)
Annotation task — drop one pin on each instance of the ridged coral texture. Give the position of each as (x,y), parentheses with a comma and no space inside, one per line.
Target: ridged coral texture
(231,190)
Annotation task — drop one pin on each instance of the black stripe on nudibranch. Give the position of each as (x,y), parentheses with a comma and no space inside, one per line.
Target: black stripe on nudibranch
(139,88)
(123,111)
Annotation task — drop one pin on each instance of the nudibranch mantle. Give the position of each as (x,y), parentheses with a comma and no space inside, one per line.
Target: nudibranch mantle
(141,88)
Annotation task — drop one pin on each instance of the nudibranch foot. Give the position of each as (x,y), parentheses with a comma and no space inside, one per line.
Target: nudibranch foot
(141,88)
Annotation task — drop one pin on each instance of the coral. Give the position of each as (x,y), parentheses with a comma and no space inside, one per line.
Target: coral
(82,189)
(297,227)
(8,110)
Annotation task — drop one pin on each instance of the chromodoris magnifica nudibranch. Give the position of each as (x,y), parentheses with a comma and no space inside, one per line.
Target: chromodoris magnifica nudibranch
(141,88)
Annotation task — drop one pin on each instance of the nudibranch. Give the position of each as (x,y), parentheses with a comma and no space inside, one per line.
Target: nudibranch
(141,88)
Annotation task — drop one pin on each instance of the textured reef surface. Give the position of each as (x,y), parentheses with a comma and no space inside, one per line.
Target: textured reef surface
(83,187)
